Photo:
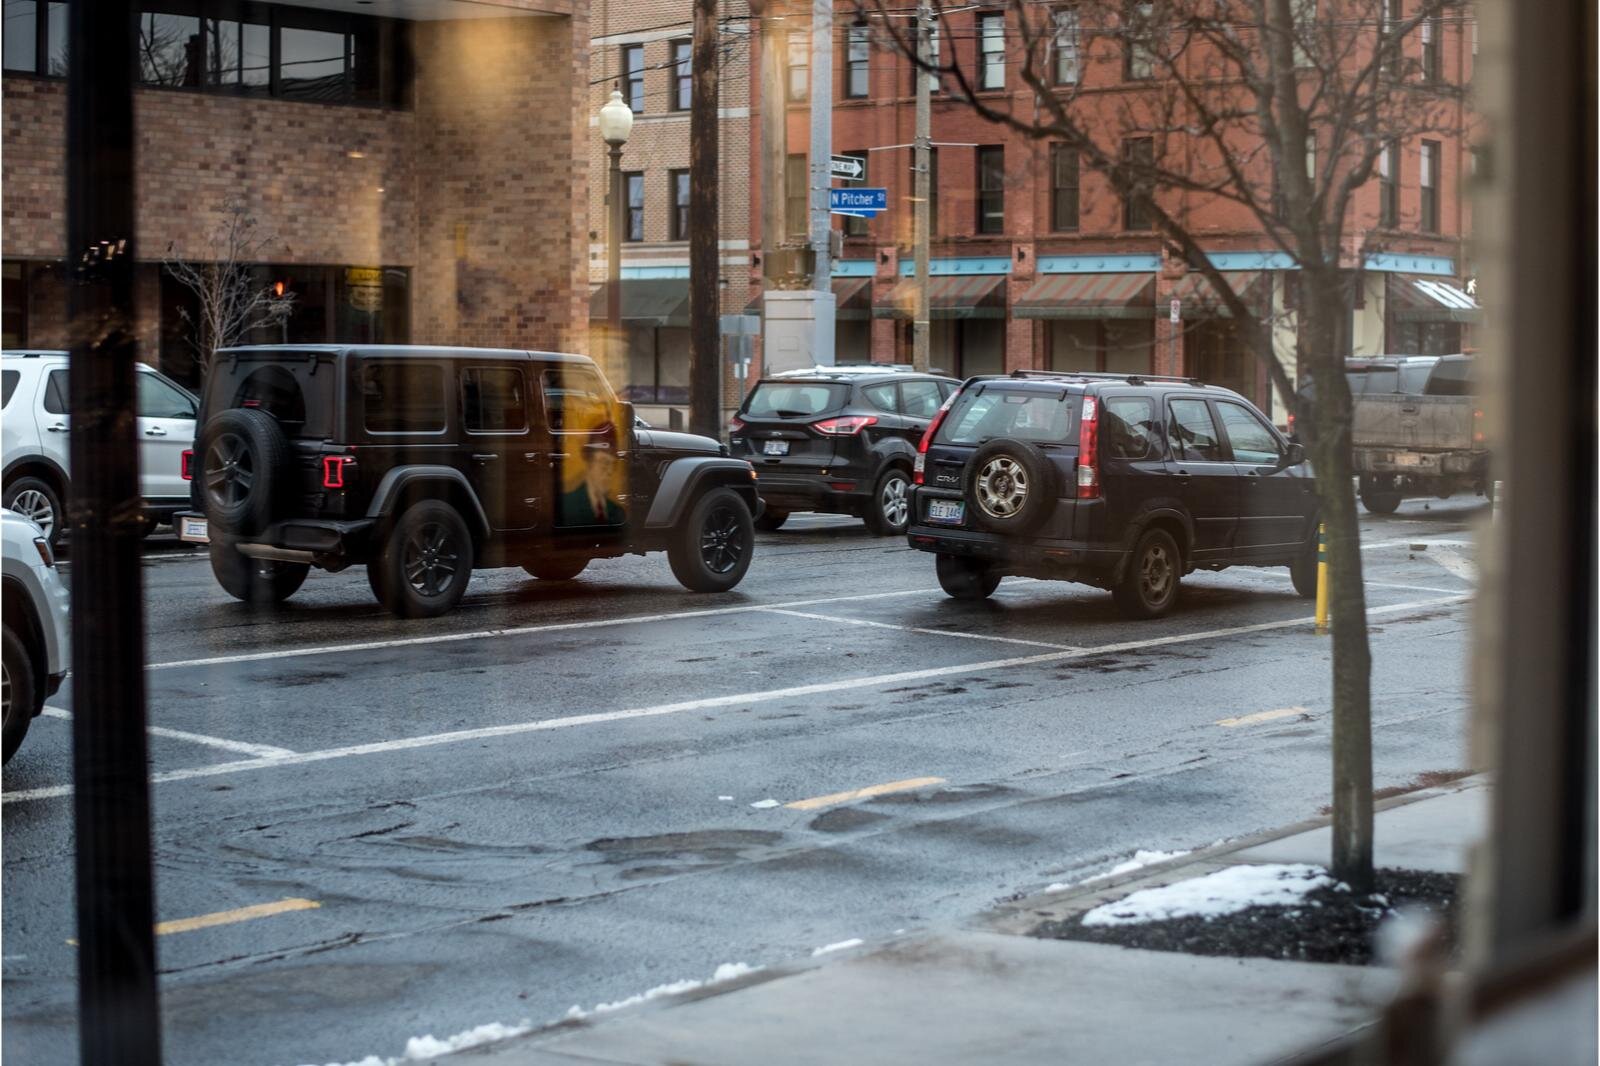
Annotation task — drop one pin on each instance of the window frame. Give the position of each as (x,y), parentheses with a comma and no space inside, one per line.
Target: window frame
(546,370)
(1260,423)
(1151,443)
(1059,152)
(1136,205)
(461,389)
(1429,174)
(1389,186)
(633,179)
(984,194)
(857,62)
(1060,18)
(1138,55)
(679,218)
(631,77)
(1430,31)
(41,41)
(798,44)
(1176,448)
(991,71)
(682,50)
(904,408)
(444,403)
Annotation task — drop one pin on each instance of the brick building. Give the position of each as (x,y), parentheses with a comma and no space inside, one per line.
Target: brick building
(419,177)
(1038,265)
(642,50)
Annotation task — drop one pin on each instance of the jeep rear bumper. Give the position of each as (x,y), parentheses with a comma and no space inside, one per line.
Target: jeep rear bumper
(305,540)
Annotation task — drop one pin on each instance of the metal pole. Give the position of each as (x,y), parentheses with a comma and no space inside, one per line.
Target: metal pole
(774,142)
(821,141)
(118,1008)
(921,163)
(705,358)
(1322,579)
(615,363)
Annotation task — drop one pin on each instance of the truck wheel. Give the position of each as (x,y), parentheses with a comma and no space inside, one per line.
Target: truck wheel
(244,466)
(20,692)
(37,499)
(889,511)
(711,550)
(1149,586)
(426,561)
(965,579)
(771,520)
(556,568)
(1380,501)
(1010,486)
(254,581)
(1303,571)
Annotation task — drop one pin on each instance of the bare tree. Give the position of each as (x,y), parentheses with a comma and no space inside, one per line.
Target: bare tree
(1277,111)
(233,301)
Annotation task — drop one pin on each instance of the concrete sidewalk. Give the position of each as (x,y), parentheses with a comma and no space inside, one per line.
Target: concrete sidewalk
(991,994)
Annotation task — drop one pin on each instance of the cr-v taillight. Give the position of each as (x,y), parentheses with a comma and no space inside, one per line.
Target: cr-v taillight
(1089,450)
(920,464)
(187,467)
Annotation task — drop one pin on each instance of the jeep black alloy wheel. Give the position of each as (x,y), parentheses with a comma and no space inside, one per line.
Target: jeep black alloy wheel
(1149,585)
(244,461)
(889,513)
(711,549)
(425,563)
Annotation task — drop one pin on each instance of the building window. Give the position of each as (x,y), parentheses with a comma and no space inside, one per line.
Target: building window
(858,49)
(991,51)
(1138,60)
(1428,181)
(633,76)
(238,56)
(799,66)
(796,196)
(1138,157)
(312,64)
(1387,14)
(35,37)
(170,55)
(633,182)
(1389,187)
(1304,13)
(1067,42)
(1432,48)
(991,189)
(682,76)
(1063,187)
(679,182)
(857,227)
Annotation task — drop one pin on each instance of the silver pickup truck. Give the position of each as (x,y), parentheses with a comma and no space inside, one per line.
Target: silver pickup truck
(1424,438)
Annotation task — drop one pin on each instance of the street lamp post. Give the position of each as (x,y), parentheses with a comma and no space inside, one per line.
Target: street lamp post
(616,122)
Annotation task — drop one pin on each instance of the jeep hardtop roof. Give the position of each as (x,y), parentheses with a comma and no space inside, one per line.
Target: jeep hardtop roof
(417,351)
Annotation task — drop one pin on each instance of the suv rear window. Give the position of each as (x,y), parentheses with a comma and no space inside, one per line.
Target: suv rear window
(1450,377)
(1024,414)
(791,399)
(403,397)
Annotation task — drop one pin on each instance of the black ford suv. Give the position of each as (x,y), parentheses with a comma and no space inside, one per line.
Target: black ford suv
(838,439)
(425,463)
(1122,482)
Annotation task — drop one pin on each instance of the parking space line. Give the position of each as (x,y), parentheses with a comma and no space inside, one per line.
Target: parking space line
(240,747)
(733,700)
(833,799)
(1267,575)
(920,629)
(238,914)
(1261,716)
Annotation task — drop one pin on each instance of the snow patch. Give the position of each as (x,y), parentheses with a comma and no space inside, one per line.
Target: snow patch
(1223,892)
(725,799)
(853,942)
(728,971)
(1141,859)
(422,1048)
(762,805)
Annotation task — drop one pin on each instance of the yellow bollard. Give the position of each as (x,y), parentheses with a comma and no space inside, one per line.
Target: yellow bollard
(1322,578)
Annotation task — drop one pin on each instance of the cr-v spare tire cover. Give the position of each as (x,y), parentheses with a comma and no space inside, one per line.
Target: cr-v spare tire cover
(243,465)
(1010,486)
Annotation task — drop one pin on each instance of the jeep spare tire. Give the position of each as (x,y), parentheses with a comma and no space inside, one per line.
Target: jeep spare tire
(244,467)
(1010,486)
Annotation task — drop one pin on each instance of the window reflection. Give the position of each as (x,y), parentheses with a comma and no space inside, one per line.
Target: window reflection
(312,65)
(170,53)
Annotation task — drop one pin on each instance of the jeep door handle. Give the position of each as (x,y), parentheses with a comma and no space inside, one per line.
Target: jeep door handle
(1181,475)
(155,431)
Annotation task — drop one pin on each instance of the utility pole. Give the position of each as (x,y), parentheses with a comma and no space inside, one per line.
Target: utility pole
(821,142)
(921,163)
(774,140)
(705,358)
(118,1007)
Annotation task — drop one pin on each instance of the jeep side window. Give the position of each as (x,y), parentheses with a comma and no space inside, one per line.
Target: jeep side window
(575,400)
(1192,433)
(55,393)
(1130,427)
(920,399)
(493,400)
(403,397)
(1252,441)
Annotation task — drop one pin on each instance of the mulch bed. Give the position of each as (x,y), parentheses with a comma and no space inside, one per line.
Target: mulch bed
(1340,930)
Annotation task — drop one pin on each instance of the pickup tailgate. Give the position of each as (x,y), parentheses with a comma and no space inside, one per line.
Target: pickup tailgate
(1415,423)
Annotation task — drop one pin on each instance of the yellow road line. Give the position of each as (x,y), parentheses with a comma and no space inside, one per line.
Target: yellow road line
(836,798)
(240,914)
(1262,716)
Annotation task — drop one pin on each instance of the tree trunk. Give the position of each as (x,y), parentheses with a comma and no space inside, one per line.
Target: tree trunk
(1321,335)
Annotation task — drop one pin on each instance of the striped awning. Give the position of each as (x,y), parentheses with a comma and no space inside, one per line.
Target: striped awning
(852,299)
(647,302)
(1089,296)
(1421,298)
(949,296)
(1200,300)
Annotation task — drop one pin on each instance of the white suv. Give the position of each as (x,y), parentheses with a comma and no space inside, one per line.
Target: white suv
(33,627)
(36,449)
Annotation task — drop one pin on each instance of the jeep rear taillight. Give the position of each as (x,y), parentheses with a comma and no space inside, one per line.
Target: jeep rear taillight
(1089,450)
(921,462)
(187,466)
(333,470)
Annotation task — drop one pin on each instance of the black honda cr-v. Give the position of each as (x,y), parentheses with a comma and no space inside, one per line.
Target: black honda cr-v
(838,439)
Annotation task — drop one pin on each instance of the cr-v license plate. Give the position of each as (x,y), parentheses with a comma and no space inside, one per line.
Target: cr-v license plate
(946,510)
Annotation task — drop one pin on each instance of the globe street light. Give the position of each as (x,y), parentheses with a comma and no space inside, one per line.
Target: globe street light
(616,122)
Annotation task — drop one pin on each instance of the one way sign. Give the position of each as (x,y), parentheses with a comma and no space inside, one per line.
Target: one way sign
(847,167)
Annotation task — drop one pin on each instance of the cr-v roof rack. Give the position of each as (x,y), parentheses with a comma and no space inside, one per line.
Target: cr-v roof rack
(1132,379)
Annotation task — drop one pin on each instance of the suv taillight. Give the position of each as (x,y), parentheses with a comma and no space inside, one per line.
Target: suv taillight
(333,470)
(845,426)
(1089,450)
(187,466)
(921,462)
(736,425)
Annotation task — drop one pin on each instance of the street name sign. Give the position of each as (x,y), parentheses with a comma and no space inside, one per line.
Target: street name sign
(866,203)
(848,167)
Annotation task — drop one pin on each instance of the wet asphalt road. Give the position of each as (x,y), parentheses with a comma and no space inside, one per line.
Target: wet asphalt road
(558,795)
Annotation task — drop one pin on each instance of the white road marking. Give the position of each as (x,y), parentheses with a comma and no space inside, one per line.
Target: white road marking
(1269,575)
(1261,716)
(260,751)
(1459,565)
(931,632)
(1406,542)
(793,692)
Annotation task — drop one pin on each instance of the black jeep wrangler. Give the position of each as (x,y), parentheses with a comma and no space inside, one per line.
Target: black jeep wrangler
(425,463)
(1123,482)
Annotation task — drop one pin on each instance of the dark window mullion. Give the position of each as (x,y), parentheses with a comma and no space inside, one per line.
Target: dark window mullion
(41,37)
(275,52)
